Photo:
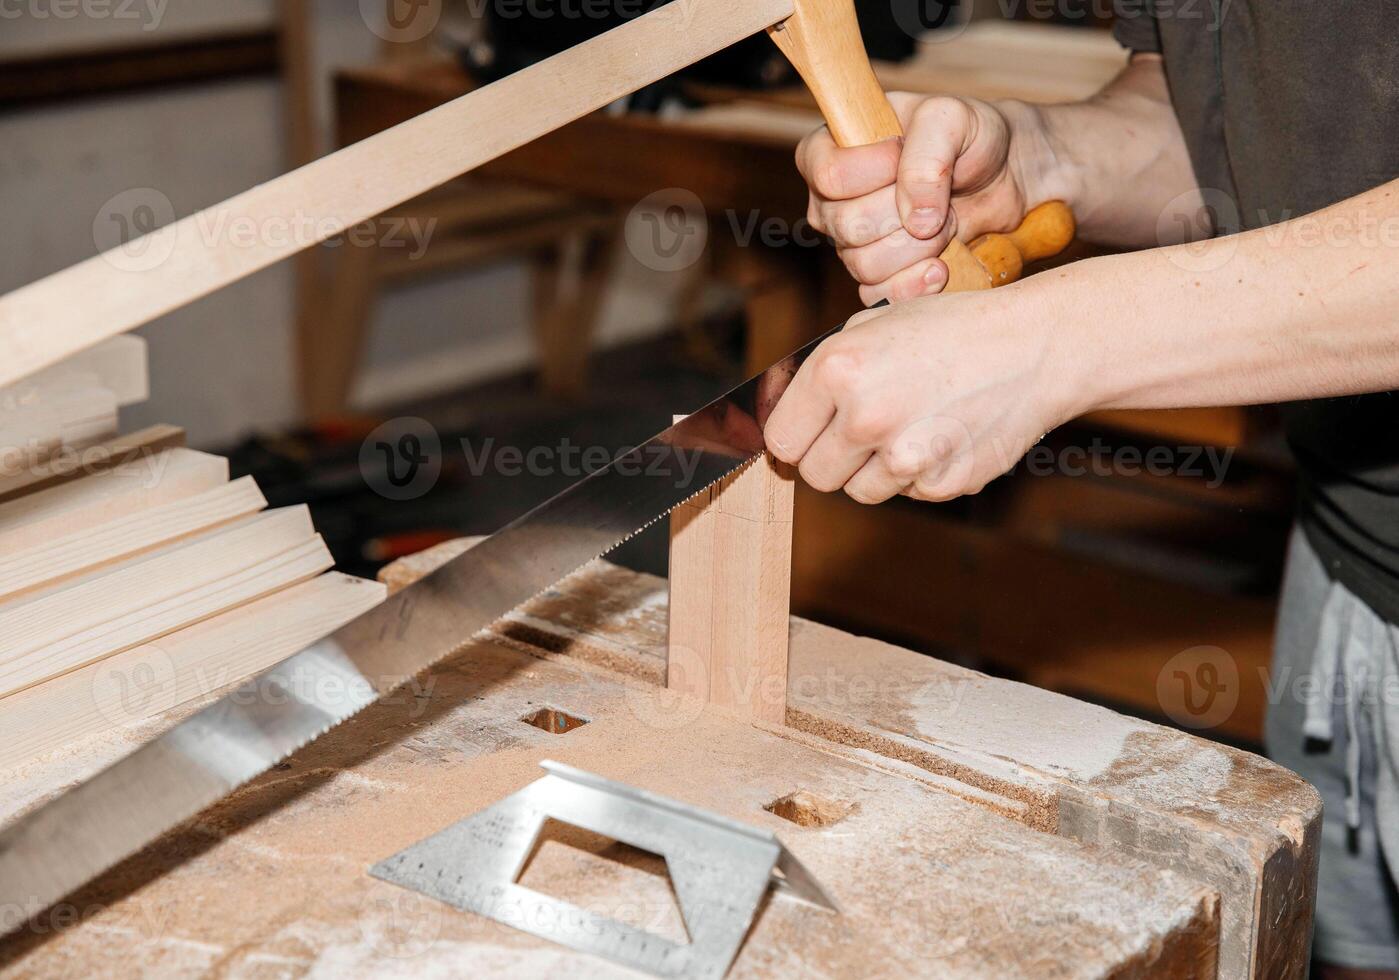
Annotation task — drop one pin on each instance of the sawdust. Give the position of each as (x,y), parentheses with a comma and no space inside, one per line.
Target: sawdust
(273,879)
(1038,808)
(1059,765)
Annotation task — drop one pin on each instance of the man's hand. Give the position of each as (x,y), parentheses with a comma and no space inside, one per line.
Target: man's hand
(936,396)
(966,167)
(932,398)
(892,207)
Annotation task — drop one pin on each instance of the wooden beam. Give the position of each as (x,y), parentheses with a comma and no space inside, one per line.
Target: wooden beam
(730,585)
(95,616)
(190,663)
(111,293)
(49,562)
(127,450)
(80,505)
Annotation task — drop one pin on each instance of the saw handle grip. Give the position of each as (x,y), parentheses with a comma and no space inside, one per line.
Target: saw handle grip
(1046,231)
(822,40)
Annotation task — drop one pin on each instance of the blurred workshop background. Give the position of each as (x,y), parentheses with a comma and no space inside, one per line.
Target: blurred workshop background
(579,292)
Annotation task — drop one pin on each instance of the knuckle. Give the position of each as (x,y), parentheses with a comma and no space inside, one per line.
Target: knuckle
(838,369)
(904,462)
(862,264)
(926,173)
(855,265)
(869,422)
(828,178)
(845,224)
(815,479)
(866,225)
(778,443)
(939,486)
(941,108)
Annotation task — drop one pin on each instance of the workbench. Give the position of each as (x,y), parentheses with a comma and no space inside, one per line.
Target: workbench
(964,826)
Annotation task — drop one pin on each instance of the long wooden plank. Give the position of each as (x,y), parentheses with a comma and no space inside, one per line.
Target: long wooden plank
(132,449)
(46,564)
(191,663)
(128,286)
(95,616)
(30,521)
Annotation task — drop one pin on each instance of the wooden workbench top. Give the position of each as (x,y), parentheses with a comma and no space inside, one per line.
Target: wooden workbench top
(985,827)
(274,879)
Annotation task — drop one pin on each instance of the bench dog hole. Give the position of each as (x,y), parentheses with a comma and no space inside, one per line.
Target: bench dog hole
(806,809)
(554,721)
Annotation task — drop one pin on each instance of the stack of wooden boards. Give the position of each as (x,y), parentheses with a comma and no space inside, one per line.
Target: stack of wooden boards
(134,575)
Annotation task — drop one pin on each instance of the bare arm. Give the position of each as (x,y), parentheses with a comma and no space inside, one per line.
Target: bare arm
(936,396)
(1118,159)
(1307,308)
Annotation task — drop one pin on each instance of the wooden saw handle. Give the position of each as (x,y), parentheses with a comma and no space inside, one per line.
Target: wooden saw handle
(822,39)
(1046,231)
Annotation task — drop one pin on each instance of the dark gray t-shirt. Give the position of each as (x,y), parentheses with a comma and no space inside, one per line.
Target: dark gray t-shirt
(1288,107)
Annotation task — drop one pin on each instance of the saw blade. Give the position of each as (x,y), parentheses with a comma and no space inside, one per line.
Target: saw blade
(71,839)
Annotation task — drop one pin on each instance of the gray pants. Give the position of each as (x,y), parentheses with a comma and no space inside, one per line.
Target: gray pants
(1334,719)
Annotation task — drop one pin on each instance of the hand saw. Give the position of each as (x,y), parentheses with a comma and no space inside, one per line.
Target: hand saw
(74,837)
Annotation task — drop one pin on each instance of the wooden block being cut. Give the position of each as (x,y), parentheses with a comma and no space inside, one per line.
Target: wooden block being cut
(95,616)
(47,563)
(150,481)
(118,364)
(185,665)
(730,582)
(74,462)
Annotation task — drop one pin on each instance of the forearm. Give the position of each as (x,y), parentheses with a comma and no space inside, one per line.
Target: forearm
(1118,159)
(1304,309)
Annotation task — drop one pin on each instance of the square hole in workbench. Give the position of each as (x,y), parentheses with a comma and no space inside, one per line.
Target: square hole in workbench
(555,721)
(806,809)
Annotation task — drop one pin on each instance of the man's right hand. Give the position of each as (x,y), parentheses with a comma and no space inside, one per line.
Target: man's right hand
(892,207)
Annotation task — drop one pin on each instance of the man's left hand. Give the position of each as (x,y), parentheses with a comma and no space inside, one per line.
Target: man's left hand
(932,398)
